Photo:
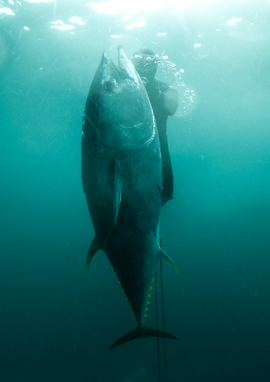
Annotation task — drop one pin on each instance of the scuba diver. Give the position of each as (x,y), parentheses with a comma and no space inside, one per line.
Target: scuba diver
(164,102)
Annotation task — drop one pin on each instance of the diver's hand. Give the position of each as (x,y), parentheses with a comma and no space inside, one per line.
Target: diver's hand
(144,80)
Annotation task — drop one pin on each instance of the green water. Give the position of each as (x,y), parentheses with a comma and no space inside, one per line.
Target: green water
(59,319)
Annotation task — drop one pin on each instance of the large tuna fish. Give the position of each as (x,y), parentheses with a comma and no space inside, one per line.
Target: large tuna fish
(121,174)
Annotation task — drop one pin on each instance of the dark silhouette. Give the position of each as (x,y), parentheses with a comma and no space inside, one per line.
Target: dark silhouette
(164,101)
(121,173)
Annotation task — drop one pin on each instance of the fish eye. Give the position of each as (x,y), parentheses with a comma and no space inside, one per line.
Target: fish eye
(108,86)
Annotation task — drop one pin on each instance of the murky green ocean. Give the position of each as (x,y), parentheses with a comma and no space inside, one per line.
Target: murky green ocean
(57,319)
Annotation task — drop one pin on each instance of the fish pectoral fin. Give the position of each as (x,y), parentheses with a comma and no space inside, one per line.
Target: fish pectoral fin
(94,248)
(162,256)
(118,189)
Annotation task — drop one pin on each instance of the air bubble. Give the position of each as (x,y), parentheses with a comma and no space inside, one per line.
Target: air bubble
(175,78)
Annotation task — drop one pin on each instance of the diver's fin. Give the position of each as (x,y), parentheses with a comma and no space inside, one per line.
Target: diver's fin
(94,248)
(142,333)
(118,188)
(162,255)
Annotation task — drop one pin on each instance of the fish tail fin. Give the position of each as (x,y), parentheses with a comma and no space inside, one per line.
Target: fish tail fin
(142,333)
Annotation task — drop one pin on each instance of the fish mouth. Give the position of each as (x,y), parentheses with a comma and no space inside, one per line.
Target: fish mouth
(121,57)
(127,122)
(125,68)
(125,64)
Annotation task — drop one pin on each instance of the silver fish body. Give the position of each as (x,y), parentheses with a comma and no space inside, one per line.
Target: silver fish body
(122,180)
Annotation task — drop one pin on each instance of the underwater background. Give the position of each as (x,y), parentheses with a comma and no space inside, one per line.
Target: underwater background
(57,319)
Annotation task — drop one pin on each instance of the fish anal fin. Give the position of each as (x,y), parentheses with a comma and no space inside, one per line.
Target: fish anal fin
(118,188)
(94,248)
(162,256)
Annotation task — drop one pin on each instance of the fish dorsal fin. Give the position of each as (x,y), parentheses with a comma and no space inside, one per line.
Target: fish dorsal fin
(94,248)
(162,255)
(118,189)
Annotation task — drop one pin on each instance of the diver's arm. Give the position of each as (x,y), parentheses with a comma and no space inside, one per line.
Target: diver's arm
(163,95)
(170,100)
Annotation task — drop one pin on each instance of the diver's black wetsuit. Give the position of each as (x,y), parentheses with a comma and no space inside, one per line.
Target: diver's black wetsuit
(164,101)
(158,93)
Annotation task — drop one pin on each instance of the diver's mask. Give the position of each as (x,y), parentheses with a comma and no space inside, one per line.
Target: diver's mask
(145,64)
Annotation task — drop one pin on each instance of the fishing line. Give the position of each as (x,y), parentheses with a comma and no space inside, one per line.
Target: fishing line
(163,320)
(158,354)
(163,325)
